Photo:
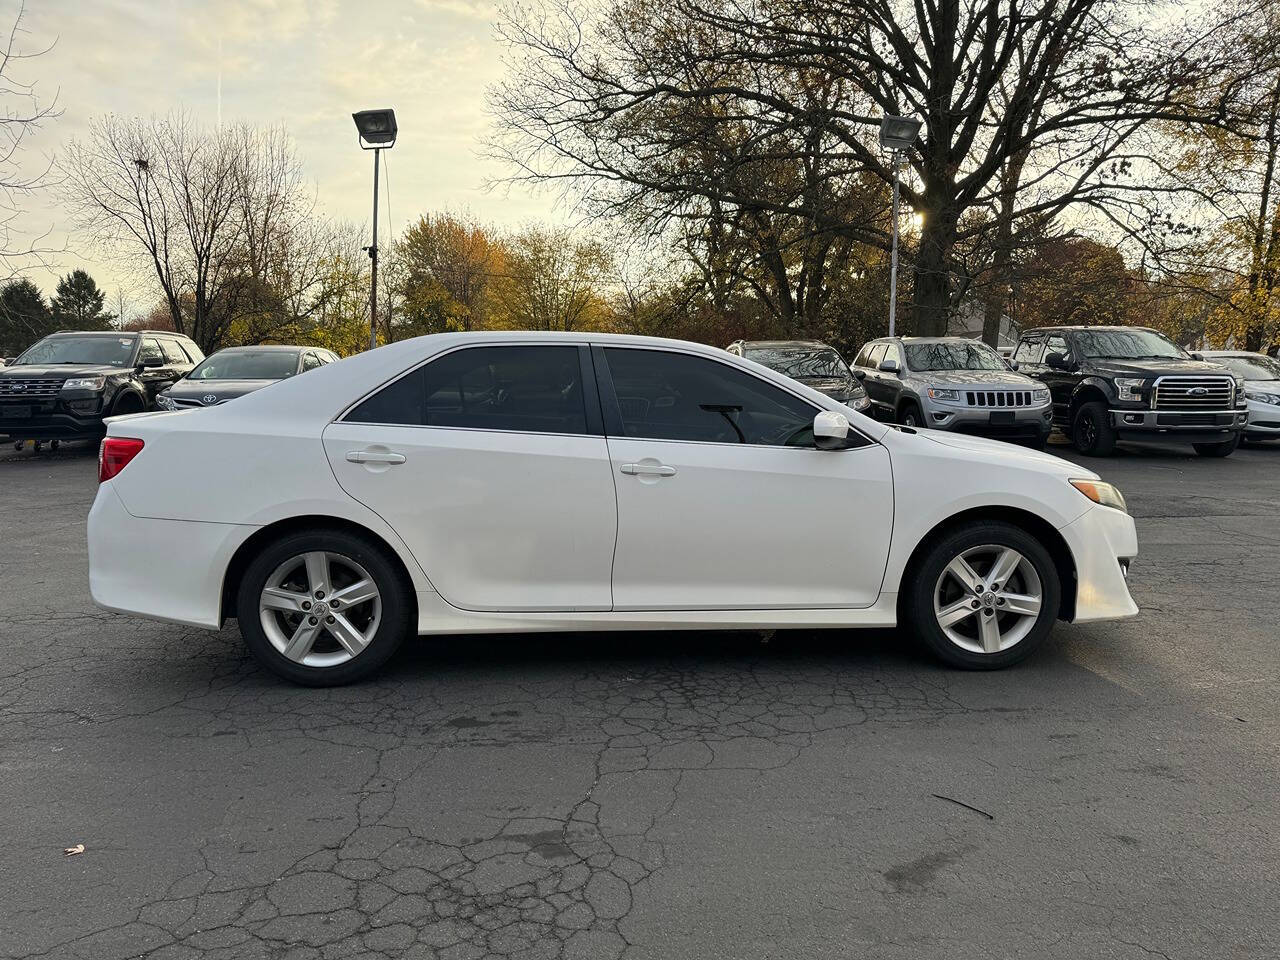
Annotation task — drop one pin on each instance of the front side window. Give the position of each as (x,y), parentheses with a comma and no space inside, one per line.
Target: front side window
(674,396)
(891,352)
(876,355)
(525,389)
(173,353)
(1028,351)
(310,361)
(150,352)
(107,351)
(948,355)
(1056,344)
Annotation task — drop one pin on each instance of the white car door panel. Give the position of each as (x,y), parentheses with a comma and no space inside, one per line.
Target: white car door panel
(499,521)
(779,526)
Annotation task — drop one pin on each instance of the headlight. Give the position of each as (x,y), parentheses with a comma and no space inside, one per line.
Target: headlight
(1040,396)
(164,403)
(860,402)
(1128,388)
(1099,491)
(86,383)
(1262,397)
(948,396)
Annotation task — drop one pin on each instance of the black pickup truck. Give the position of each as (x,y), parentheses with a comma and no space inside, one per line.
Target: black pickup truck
(62,387)
(1132,383)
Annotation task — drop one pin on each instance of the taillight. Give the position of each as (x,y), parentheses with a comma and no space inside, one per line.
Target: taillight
(114,455)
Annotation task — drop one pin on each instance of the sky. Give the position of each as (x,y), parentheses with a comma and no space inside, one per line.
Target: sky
(305,63)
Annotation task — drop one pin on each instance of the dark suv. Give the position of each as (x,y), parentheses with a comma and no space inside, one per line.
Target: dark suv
(1131,383)
(62,386)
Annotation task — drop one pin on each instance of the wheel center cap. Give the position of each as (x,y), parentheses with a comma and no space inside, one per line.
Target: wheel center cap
(321,609)
(988,599)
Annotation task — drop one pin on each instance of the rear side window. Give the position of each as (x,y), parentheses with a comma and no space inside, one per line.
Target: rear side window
(526,389)
(663,395)
(194,352)
(173,353)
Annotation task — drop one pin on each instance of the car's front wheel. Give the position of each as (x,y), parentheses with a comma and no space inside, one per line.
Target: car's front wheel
(984,596)
(1224,448)
(910,416)
(1091,430)
(324,608)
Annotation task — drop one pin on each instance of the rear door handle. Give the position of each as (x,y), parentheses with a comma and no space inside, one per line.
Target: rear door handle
(366,456)
(648,470)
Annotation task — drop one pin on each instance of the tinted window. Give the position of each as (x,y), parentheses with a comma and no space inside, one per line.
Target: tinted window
(149,350)
(674,396)
(1028,351)
(173,353)
(530,389)
(1057,344)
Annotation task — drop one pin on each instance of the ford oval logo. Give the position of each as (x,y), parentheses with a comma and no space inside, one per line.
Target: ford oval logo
(19,387)
(1198,392)
(208,399)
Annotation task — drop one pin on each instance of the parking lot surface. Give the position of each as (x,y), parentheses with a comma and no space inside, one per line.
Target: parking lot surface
(701,795)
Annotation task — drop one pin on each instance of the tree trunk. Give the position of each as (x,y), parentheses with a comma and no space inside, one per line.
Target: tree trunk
(931,296)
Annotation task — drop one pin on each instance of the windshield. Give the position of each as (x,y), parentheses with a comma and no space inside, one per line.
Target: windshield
(247,365)
(801,364)
(953,356)
(1128,345)
(102,351)
(1251,368)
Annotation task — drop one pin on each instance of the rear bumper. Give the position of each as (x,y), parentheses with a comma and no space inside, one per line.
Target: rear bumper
(1103,542)
(132,566)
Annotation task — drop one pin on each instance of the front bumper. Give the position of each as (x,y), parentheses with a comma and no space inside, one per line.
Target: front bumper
(1264,419)
(60,422)
(989,421)
(1185,425)
(1103,542)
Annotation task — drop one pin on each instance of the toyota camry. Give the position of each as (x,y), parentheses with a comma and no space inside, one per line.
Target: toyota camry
(521,482)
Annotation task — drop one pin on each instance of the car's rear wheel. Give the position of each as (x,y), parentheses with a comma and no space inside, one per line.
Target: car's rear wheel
(324,608)
(984,596)
(1091,430)
(1223,449)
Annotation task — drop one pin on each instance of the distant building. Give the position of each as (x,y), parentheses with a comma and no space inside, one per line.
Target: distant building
(966,321)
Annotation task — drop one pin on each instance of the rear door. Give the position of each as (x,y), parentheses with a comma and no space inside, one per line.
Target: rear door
(491,464)
(724,502)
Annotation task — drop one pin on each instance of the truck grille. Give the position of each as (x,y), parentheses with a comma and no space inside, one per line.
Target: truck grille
(18,389)
(998,398)
(1193,393)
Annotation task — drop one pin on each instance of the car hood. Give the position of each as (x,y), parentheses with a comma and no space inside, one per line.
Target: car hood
(999,451)
(222,389)
(987,379)
(831,386)
(1166,366)
(40,371)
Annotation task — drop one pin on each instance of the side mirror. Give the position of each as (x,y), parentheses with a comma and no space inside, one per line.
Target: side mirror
(1013,364)
(1196,355)
(830,430)
(152,362)
(1057,361)
(860,374)
(888,366)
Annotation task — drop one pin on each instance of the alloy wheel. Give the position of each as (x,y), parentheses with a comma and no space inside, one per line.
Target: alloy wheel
(320,609)
(988,598)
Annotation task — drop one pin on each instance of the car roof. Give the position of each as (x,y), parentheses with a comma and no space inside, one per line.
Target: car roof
(1087,326)
(266,348)
(776,344)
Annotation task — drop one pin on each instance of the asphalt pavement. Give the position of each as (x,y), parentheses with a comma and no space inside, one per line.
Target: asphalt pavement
(657,796)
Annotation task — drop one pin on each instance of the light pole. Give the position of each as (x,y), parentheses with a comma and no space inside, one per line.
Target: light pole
(376,131)
(897,135)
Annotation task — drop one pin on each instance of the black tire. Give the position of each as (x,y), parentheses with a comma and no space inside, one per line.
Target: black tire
(909,414)
(1091,430)
(129,403)
(395,595)
(1224,448)
(925,579)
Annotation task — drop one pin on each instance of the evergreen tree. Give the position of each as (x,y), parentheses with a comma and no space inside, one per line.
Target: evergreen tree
(77,304)
(24,316)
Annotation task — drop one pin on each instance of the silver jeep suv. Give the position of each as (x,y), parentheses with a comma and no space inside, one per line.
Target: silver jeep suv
(953,383)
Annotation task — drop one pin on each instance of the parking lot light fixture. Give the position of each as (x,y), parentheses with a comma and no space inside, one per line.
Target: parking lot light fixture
(376,131)
(897,135)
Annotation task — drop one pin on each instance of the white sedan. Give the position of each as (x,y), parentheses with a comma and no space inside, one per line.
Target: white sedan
(520,482)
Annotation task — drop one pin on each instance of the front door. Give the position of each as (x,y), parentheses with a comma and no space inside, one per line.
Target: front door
(724,502)
(490,467)
(1061,383)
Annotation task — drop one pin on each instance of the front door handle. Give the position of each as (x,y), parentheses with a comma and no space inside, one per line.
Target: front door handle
(648,470)
(368,456)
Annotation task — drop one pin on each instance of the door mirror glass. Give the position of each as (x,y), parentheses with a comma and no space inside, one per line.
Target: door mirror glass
(888,366)
(860,374)
(1057,361)
(830,430)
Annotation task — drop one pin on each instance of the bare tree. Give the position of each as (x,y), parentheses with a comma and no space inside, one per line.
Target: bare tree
(620,103)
